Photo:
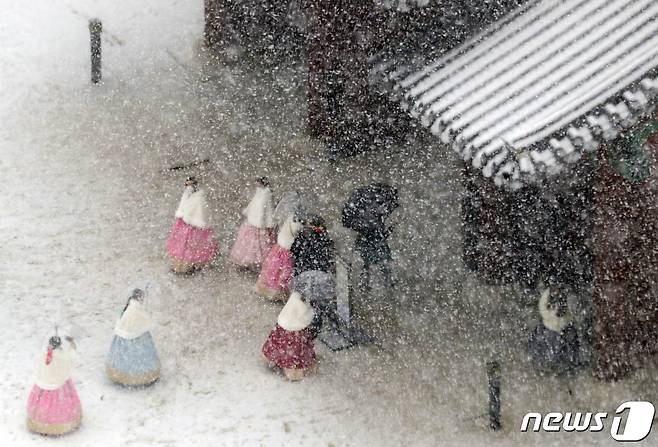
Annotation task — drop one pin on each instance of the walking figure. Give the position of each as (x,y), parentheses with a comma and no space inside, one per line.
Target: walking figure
(366,212)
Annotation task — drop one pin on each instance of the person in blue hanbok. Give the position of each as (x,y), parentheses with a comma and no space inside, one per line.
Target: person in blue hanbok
(554,346)
(133,359)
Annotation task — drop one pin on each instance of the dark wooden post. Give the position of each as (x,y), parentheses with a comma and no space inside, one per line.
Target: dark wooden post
(95,29)
(322,21)
(217,14)
(209,28)
(337,73)
(493,380)
(626,267)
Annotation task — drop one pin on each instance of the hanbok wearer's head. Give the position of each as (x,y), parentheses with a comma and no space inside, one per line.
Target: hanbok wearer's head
(557,300)
(554,308)
(192,182)
(316,223)
(262,182)
(54,342)
(136,295)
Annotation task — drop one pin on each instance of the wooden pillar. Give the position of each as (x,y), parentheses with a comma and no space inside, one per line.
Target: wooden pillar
(337,71)
(215,21)
(322,18)
(626,260)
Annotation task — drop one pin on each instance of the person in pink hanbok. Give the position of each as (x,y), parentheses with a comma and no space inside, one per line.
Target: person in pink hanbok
(53,407)
(276,275)
(256,234)
(191,244)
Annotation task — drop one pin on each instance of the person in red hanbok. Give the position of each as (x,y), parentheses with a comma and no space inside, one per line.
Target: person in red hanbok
(290,344)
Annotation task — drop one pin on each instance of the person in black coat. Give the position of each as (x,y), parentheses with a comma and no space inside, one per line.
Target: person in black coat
(366,212)
(313,249)
(372,244)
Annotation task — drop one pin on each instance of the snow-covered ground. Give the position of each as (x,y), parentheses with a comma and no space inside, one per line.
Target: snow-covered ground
(86,202)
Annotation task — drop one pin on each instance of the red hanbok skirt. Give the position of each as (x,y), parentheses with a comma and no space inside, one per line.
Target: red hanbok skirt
(290,349)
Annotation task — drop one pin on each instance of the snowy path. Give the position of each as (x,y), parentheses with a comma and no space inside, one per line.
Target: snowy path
(86,203)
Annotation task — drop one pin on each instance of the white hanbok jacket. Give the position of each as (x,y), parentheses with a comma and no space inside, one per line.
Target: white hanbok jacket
(53,375)
(134,322)
(260,212)
(287,233)
(296,314)
(193,208)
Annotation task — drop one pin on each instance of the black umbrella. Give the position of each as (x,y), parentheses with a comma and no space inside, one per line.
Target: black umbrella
(369,206)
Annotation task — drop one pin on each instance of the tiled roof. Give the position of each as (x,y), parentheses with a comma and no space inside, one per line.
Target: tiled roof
(534,91)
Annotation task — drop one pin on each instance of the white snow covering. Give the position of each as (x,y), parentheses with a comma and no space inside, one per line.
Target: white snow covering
(86,204)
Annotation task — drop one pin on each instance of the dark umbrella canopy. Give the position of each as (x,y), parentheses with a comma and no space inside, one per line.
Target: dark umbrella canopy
(369,206)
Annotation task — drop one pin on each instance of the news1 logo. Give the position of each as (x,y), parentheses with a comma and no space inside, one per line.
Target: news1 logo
(638,417)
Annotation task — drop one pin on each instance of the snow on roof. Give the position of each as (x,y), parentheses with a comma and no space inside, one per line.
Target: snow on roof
(531,93)
(402,5)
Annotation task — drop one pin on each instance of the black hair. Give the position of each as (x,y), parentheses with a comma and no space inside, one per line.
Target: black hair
(315,221)
(55,342)
(558,301)
(136,294)
(263,181)
(194,182)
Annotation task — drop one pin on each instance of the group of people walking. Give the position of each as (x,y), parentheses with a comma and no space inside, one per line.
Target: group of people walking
(295,260)
(287,246)
(293,255)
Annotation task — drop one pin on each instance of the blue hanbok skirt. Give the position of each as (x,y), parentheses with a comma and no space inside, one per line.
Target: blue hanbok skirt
(134,361)
(555,352)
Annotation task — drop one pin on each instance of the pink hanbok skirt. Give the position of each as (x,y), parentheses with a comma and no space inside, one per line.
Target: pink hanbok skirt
(54,412)
(276,274)
(290,349)
(191,244)
(252,245)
